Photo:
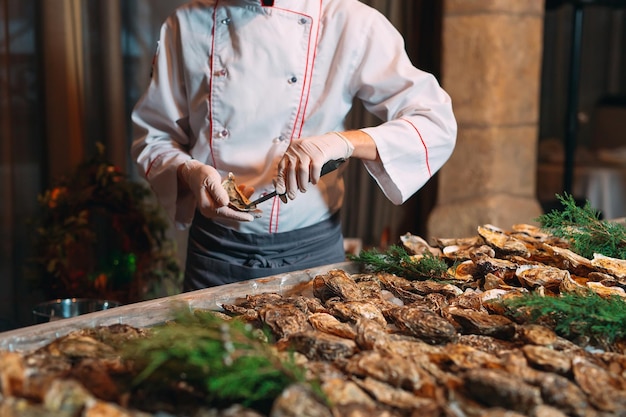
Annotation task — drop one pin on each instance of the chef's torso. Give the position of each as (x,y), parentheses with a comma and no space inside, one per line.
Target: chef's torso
(254,80)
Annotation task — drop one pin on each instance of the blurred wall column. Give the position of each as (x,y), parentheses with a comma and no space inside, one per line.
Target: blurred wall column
(63,70)
(491,67)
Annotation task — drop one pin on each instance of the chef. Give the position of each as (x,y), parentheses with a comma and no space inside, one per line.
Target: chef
(261,89)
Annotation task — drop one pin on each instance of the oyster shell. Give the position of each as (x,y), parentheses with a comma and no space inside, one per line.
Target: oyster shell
(336,283)
(604,291)
(399,398)
(560,392)
(569,285)
(612,266)
(354,310)
(501,268)
(462,253)
(316,345)
(430,287)
(465,357)
(371,335)
(463,241)
(390,368)
(299,400)
(548,359)
(533,276)
(476,322)
(400,287)
(486,343)
(327,323)
(417,245)
(499,388)
(284,320)
(565,259)
(423,324)
(606,391)
(536,335)
(464,271)
(343,393)
(500,241)
(238,200)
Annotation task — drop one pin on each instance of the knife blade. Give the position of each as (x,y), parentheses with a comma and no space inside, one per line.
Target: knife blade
(329,166)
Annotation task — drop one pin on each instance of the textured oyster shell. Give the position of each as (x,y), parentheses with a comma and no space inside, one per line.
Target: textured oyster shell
(417,245)
(612,266)
(238,200)
(502,242)
(533,276)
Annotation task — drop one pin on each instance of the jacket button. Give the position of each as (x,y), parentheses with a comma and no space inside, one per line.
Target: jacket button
(279,139)
(225,21)
(222,134)
(303,20)
(293,80)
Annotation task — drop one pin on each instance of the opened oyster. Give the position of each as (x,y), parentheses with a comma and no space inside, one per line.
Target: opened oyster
(238,200)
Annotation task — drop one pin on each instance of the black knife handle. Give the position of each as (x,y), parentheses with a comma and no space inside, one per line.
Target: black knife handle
(331,165)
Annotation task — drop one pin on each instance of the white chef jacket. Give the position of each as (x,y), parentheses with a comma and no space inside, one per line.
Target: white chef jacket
(234,82)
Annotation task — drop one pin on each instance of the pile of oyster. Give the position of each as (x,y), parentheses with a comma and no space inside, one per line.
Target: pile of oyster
(383,345)
(386,346)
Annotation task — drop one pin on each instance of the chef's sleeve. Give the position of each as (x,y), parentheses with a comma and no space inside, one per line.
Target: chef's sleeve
(161,128)
(419,130)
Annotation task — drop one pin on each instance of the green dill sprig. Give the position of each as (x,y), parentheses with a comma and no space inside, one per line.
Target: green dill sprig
(573,315)
(225,360)
(584,230)
(396,260)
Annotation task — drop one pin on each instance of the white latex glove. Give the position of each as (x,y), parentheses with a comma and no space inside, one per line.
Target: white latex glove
(303,161)
(211,198)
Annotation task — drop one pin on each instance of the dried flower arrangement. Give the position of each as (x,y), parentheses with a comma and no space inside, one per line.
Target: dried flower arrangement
(99,235)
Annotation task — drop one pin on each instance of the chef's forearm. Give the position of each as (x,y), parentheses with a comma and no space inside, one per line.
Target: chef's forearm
(364,145)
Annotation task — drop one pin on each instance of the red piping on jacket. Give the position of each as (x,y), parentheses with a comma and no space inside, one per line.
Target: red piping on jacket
(152,163)
(306,85)
(211,64)
(274,215)
(423,144)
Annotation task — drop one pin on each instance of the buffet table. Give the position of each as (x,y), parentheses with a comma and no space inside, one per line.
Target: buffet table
(365,344)
(153,312)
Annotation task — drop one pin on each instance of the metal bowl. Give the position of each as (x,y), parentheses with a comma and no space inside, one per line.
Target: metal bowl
(69,307)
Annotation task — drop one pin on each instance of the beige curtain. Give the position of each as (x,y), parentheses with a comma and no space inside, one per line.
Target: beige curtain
(84,82)
(62,30)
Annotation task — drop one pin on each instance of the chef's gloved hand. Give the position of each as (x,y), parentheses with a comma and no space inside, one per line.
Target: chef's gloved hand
(303,161)
(211,198)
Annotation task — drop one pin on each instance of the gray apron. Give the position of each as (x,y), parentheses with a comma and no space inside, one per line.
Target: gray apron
(217,255)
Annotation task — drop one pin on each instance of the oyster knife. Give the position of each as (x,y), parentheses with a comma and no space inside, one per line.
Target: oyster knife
(329,166)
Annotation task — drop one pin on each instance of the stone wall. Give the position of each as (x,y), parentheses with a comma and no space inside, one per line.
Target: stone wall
(491,68)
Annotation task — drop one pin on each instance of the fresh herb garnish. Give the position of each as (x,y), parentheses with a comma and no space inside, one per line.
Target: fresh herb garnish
(227,361)
(584,230)
(603,320)
(396,260)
